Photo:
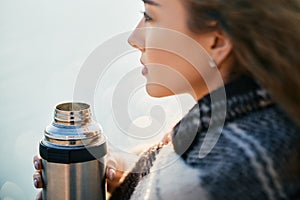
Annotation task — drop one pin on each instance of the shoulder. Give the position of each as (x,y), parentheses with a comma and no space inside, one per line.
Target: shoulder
(252,154)
(268,128)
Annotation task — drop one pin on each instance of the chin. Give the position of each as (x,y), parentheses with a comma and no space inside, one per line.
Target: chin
(158,91)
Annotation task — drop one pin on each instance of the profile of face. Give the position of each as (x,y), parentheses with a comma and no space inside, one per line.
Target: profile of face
(175,59)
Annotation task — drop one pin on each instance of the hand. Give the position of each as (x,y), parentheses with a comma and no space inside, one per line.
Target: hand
(116,166)
(37,176)
(117,163)
(117,159)
(113,178)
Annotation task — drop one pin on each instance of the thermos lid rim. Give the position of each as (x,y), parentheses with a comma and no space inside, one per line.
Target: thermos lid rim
(72,107)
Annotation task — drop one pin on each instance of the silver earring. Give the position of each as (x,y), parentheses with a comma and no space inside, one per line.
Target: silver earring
(212,63)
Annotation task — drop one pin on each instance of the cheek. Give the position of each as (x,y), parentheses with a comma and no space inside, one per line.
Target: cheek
(170,74)
(168,64)
(161,57)
(177,51)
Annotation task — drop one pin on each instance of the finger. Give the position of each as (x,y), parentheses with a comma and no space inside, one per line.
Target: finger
(37,180)
(110,173)
(39,196)
(111,168)
(37,162)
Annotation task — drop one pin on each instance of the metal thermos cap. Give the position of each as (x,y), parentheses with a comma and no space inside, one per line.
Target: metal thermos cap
(73,126)
(73,136)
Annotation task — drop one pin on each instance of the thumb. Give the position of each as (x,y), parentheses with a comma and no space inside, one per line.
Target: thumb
(110,167)
(110,173)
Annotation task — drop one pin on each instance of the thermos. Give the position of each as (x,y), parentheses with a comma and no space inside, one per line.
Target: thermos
(72,151)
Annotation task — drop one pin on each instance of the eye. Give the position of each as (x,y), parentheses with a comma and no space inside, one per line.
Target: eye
(146,16)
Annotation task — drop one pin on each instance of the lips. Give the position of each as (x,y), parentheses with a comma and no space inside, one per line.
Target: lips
(145,69)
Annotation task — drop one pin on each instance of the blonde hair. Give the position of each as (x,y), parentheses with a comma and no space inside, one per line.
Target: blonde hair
(266,42)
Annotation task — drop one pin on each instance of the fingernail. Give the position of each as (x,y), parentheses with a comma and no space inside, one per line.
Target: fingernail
(36,182)
(36,164)
(111,174)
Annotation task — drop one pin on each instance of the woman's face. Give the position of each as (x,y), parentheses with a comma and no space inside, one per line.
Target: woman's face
(162,32)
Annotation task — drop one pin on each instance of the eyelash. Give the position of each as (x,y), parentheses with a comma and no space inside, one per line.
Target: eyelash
(146,16)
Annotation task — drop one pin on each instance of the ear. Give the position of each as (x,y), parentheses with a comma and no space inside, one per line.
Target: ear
(220,47)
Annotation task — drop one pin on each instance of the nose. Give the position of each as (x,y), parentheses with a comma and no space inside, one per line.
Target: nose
(137,37)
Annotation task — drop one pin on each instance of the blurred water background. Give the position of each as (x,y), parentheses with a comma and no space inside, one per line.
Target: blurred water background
(43,44)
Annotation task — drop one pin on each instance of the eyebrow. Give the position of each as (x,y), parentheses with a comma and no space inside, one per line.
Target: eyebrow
(150,2)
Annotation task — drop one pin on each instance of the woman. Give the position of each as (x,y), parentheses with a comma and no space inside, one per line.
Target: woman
(253,46)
